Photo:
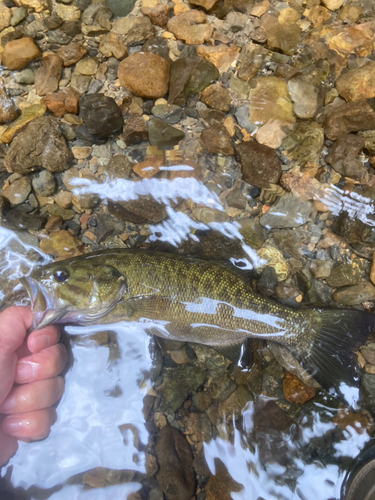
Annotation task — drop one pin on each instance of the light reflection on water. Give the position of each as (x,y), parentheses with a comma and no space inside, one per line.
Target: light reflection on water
(87,435)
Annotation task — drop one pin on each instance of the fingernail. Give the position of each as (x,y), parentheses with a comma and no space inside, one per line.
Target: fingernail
(41,342)
(12,425)
(26,371)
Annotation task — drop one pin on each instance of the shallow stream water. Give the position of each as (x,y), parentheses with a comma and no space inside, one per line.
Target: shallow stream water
(236,131)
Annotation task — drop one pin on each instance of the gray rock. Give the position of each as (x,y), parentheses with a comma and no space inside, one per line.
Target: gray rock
(344,275)
(25,76)
(143,210)
(344,156)
(287,212)
(120,8)
(162,135)
(168,113)
(242,115)
(44,184)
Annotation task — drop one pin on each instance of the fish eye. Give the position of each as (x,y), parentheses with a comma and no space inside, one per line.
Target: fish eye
(61,275)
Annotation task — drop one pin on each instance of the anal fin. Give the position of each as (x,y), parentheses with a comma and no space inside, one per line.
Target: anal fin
(239,354)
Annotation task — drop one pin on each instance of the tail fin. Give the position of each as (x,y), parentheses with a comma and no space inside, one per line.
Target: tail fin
(332,360)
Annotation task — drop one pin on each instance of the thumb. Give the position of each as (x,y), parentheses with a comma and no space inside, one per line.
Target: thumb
(14,323)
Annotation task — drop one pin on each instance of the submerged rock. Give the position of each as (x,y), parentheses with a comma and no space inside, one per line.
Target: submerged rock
(287,212)
(217,140)
(355,295)
(61,245)
(18,53)
(27,115)
(8,111)
(162,135)
(260,164)
(39,145)
(357,83)
(304,143)
(190,26)
(100,114)
(48,76)
(189,76)
(143,210)
(270,100)
(145,75)
(349,117)
(344,156)
(176,474)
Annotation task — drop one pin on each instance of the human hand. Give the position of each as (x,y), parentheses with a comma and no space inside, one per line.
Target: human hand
(29,384)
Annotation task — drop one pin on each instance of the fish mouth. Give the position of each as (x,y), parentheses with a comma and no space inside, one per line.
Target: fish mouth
(42,305)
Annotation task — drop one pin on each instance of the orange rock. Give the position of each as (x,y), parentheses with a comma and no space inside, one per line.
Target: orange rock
(18,53)
(61,245)
(60,103)
(149,167)
(158,15)
(72,53)
(145,75)
(296,391)
(221,55)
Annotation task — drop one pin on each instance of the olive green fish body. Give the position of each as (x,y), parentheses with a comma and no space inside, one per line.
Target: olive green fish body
(189,299)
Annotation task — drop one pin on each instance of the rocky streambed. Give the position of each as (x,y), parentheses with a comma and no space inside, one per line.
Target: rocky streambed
(224,129)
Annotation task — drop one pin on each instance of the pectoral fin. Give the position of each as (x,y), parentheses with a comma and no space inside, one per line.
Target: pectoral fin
(239,354)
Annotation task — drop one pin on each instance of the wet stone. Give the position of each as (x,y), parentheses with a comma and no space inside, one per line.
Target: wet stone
(163,135)
(320,269)
(348,117)
(39,145)
(60,103)
(8,111)
(61,244)
(304,97)
(178,384)
(18,191)
(158,14)
(143,210)
(221,485)
(296,391)
(118,167)
(254,235)
(44,184)
(189,76)
(25,77)
(270,99)
(100,114)
(48,75)
(168,113)
(357,83)
(242,115)
(190,26)
(351,228)
(220,55)
(236,199)
(176,474)
(18,219)
(304,143)
(344,275)
(145,75)
(217,97)
(71,54)
(135,30)
(58,211)
(120,8)
(260,164)
(208,215)
(354,295)
(135,130)
(344,156)
(287,212)
(217,140)
(18,53)
(233,406)
(284,37)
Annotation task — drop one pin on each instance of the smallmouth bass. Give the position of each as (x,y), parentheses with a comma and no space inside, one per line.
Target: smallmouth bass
(193,300)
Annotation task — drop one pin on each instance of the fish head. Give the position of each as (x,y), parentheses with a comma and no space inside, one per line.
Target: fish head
(73,291)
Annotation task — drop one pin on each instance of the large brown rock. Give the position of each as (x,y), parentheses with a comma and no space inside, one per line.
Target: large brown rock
(217,140)
(145,75)
(216,96)
(284,37)
(176,474)
(348,117)
(260,164)
(357,83)
(18,53)
(191,26)
(39,145)
(344,156)
(48,75)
